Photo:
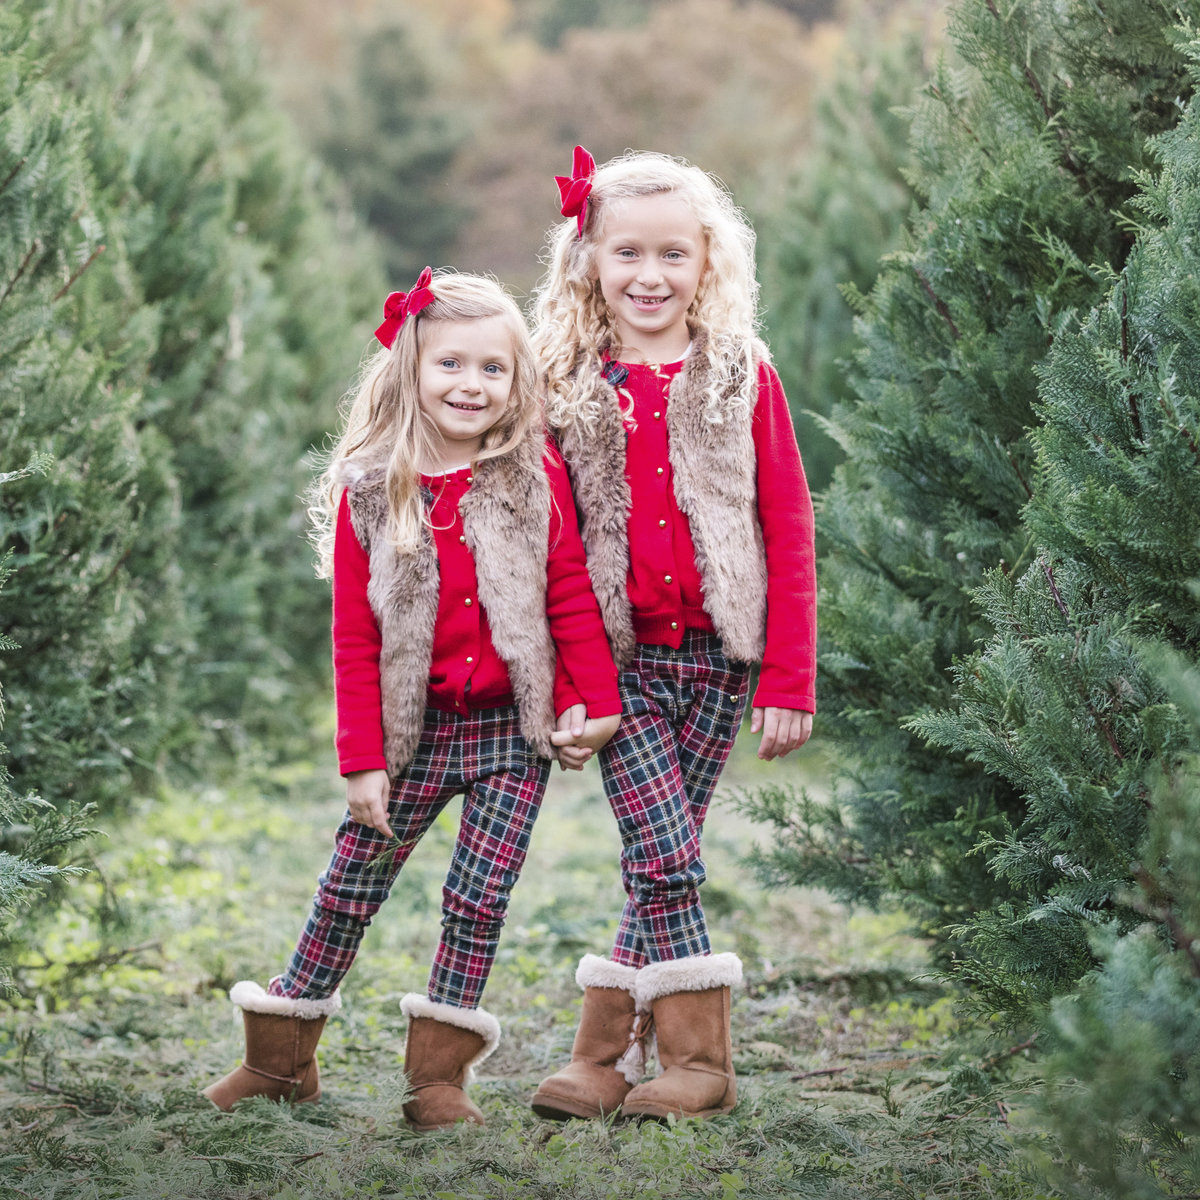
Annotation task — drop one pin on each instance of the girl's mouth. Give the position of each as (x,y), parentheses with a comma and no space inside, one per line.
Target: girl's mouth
(465,407)
(647,301)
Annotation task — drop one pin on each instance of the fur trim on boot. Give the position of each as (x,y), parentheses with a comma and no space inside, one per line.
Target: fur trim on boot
(690,1002)
(608,1056)
(444,1046)
(281,1048)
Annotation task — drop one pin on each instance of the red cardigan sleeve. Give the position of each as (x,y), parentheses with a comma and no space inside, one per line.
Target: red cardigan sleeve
(584,669)
(356,646)
(785,512)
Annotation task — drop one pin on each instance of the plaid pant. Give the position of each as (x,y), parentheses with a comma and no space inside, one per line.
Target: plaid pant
(483,756)
(680,714)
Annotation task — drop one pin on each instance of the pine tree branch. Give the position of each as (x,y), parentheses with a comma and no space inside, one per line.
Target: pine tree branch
(1011,1052)
(939,303)
(936,93)
(66,287)
(1183,431)
(13,174)
(814,1074)
(12,283)
(1134,415)
(1016,466)
(1109,736)
(1054,592)
(1166,916)
(1070,161)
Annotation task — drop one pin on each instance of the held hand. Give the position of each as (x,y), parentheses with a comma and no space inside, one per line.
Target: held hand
(575,748)
(568,728)
(783,730)
(367,798)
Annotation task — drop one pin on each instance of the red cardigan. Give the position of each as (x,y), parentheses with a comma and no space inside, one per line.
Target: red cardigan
(664,583)
(466,673)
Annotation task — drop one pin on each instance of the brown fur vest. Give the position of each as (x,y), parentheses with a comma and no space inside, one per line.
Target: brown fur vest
(506,519)
(713,463)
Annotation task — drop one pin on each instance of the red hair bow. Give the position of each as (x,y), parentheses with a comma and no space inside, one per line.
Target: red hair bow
(399,306)
(574,192)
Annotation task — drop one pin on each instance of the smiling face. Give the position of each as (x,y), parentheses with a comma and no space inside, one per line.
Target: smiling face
(465,378)
(650,258)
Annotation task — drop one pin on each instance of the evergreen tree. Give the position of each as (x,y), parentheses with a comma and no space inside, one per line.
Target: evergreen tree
(90,683)
(1124,1095)
(1087,699)
(392,132)
(177,298)
(33,834)
(1026,166)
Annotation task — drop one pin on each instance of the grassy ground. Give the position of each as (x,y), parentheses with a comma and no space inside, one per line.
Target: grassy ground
(850,1082)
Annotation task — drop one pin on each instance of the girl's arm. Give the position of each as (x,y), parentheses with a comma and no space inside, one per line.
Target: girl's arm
(356,646)
(585,689)
(785,698)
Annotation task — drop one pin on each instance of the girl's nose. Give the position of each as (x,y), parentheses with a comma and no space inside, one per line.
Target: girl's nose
(470,382)
(649,273)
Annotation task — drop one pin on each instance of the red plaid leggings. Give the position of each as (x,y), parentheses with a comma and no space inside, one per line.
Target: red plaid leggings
(483,756)
(680,714)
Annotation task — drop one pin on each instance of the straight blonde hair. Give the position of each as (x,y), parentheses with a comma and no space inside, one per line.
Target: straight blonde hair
(384,428)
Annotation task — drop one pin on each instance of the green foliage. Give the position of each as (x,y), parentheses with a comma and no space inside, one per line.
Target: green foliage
(1125,1094)
(1026,163)
(33,834)
(172,286)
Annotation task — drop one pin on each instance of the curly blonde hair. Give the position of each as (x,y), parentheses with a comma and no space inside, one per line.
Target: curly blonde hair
(383,427)
(573,326)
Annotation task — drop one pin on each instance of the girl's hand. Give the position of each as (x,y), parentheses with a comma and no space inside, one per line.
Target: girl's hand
(367,798)
(783,730)
(568,728)
(579,737)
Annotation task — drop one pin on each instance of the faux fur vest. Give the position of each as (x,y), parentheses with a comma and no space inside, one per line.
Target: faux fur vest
(713,463)
(506,519)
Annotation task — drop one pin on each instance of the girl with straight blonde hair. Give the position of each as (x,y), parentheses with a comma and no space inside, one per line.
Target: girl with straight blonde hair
(468,652)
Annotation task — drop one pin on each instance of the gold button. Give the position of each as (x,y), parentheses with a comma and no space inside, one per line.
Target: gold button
(662,524)
(471,660)
(470,478)
(660,470)
(468,601)
(674,624)
(462,537)
(666,579)
(658,416)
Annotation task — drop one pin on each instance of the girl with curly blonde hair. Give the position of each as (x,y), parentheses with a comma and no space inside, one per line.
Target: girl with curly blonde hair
(698,527)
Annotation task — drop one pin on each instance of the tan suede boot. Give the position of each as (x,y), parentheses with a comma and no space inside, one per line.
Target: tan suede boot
(444,1044)
(609,1051)
(281,1048)
(690,1002)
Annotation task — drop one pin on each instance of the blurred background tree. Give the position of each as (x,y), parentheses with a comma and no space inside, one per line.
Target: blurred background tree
(178,295)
